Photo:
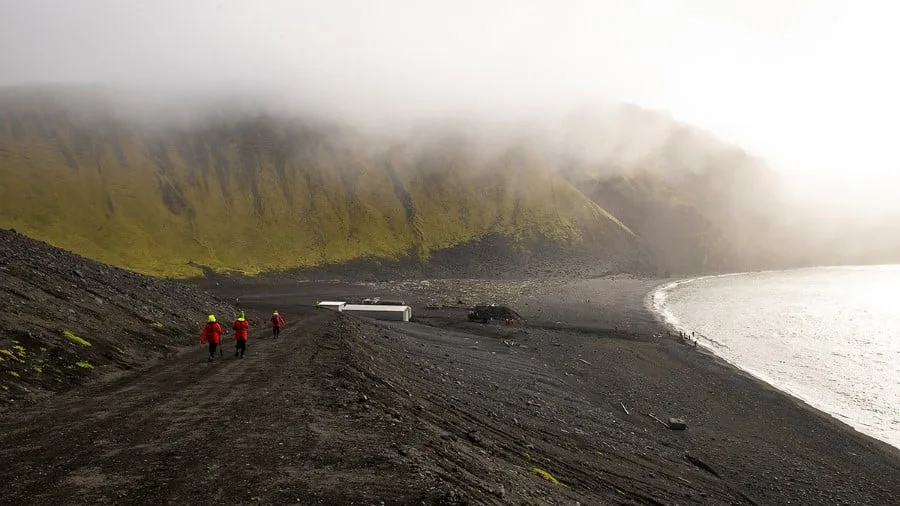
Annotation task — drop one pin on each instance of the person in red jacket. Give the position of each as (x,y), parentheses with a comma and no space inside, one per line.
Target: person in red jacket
(211,332)
(241,328)
(277,323)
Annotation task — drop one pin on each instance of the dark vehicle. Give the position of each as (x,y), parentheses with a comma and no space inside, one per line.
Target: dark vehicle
(487,313)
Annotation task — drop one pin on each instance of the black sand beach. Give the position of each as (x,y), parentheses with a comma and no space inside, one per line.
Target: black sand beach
(441,410)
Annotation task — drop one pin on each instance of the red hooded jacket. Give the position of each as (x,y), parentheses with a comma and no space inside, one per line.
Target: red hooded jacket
(240,326)
(277,320)
(211,333)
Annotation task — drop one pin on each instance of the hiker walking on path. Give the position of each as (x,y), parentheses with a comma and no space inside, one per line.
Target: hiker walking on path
(211,332)
(241,328)
(277,323)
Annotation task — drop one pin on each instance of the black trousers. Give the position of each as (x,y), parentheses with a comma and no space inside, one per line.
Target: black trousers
(276,331)
(212,349)
(240,346)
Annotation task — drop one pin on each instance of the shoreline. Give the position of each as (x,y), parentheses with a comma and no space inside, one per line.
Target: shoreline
(441,410)
(709,350)
(580,318)
(658,323)
(636,297)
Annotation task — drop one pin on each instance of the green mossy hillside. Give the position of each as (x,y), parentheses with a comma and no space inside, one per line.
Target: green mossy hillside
(261,194)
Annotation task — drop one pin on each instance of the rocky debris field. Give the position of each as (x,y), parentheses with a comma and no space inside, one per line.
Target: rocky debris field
(67,319)
(489,258)
(442,293)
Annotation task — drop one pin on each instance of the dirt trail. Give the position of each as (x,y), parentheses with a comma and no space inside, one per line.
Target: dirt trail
(189,432)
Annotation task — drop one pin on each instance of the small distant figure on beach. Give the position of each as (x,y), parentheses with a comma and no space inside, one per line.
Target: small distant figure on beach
(277,323)
(211,332)
(241,329)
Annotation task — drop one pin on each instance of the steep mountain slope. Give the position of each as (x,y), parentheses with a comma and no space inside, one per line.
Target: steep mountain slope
(699,204)
(260,193)
(65,317)
(681,238)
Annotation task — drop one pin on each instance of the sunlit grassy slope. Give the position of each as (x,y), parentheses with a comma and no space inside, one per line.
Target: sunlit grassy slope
(262,194)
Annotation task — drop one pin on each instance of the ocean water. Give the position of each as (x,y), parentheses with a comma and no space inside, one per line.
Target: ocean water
(830,336)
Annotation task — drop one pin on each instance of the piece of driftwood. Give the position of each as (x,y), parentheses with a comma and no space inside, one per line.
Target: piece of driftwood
(623,407)
(664,424)
(585,361)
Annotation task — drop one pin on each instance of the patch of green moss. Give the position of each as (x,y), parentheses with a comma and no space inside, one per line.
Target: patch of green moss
(12,355)
(13,373)
(156,325)
(37,369)
(84,365)
(545,475)
(68,334)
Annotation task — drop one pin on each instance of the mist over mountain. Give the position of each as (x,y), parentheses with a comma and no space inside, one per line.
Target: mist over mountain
(172,189)
(230,190)
(278,134)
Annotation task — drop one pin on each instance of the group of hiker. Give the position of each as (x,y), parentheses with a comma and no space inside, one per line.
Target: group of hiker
(212,332)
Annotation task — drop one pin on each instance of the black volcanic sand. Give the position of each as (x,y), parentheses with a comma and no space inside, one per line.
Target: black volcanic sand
(343,410)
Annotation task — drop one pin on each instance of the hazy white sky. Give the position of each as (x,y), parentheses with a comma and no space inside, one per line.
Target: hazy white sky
(808,85)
